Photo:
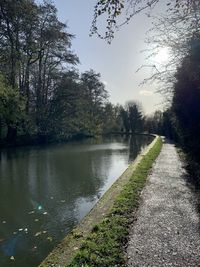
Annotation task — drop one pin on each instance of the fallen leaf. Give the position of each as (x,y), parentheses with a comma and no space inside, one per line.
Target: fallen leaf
(34,248)
(31,212)
(38,233)
(49,238)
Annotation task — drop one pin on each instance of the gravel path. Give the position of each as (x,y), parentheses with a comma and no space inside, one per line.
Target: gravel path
(167,231)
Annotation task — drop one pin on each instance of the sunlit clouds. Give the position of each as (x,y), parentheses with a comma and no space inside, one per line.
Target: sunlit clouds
(145,93)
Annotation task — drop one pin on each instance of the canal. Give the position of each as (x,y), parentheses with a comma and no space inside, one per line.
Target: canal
(45,191)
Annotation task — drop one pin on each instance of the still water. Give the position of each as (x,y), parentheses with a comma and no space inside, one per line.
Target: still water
(45,191)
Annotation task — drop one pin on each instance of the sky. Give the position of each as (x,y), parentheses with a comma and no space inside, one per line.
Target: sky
(117,62)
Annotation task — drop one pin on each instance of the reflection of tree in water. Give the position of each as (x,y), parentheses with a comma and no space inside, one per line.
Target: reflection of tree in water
(136,144)
(134,147)
(60,180)
(64,180)
(36,175)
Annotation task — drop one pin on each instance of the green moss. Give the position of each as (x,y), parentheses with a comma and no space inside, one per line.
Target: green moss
(104,245)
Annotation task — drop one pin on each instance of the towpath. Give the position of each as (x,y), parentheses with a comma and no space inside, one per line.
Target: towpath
(167,230)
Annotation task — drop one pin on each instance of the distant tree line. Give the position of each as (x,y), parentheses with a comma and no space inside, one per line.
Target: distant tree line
(132,117)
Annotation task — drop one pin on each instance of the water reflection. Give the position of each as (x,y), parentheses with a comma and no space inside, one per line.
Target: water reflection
(45,191)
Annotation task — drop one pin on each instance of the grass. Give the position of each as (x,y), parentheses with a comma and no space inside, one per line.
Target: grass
(104,246)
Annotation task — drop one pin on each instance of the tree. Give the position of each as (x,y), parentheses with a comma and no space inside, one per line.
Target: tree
(34,47)
(12,110)
(135,115)
(63,117)
(186,101)
(78,106)
(132,117)
(125,120)
(94,99)
(18,20)
(112,121)
(111,10)
(154,123)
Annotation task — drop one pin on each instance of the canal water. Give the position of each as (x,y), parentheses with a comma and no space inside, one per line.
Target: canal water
(45,191)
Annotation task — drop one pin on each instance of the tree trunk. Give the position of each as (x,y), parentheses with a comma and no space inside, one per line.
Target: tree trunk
(27,90)
(11,133)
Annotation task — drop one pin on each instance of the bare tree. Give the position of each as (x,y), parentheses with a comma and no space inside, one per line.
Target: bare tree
(112,10)
(179,32)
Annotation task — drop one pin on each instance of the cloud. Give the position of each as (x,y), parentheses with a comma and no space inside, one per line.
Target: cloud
(145,92)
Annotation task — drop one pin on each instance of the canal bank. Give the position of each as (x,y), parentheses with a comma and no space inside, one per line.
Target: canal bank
(46,191)
(110,216)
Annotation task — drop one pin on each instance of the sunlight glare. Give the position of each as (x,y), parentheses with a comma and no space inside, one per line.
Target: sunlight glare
(162,55)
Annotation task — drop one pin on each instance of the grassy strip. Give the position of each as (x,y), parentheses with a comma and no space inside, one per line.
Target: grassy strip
(104,245)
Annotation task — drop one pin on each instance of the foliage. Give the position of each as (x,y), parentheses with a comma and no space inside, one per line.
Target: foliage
(112,120)
(186,99)
(125,119)
(63,116)
(154,123)
(33,48)
(132,117)
(104,246)
(135,116)
(12,109)
(78,105)
(94,100)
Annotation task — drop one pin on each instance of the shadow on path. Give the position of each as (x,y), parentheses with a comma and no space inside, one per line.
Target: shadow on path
(192,178)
